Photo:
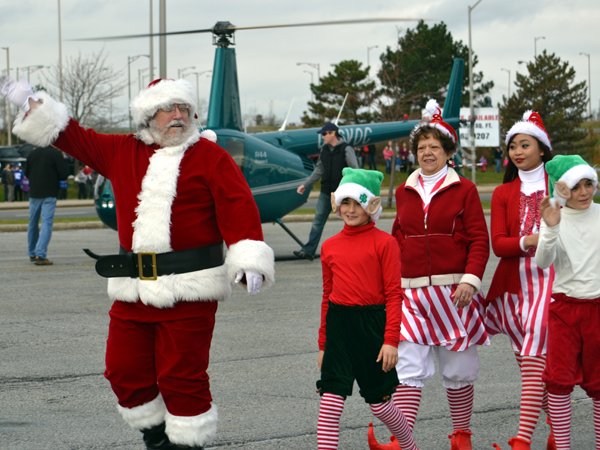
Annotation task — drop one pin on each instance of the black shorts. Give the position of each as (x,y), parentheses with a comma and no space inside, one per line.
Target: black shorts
(354,336)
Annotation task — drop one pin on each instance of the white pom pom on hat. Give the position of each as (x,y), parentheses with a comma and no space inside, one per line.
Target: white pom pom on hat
(433,108)
(210,135)
(531,125)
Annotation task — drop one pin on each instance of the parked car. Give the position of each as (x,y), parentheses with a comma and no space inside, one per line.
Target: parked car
(10,155)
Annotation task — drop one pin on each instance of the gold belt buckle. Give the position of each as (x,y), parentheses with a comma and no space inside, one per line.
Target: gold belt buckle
(141,267)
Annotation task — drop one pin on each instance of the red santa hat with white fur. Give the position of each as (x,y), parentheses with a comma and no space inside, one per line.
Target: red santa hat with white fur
(436,121)
(531,125)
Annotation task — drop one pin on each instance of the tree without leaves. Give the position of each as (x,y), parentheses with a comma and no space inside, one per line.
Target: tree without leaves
(550,91)
(419,68)
(348,77)
(89,85)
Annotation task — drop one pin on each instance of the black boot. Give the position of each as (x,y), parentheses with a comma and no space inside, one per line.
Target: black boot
(155,438)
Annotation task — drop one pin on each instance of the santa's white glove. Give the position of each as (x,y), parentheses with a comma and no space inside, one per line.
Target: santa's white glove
(253,280)
(17,92)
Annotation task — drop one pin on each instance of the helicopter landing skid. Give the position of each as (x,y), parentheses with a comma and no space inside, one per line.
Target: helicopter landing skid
(288,231)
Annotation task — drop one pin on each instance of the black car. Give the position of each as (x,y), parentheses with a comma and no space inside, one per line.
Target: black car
(10,155)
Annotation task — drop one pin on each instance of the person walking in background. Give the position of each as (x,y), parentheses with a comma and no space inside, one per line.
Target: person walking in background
(520,294)
(498,153)
(372,155)
(483,163)
(81,180)
(18,179)
(410,162)
(45,168)
(8,178)
(336,154)
(388,154)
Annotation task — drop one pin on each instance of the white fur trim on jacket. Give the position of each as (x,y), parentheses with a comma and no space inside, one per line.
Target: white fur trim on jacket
(43,124)
(152,233)
(194,431)
(144,416)
(251,255)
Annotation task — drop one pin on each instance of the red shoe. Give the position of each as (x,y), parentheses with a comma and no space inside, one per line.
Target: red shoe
(461,440)
(551,445)
(374,445)
(496,446)
(518,443)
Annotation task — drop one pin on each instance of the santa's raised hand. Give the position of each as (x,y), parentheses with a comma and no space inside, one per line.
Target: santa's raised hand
(17,92)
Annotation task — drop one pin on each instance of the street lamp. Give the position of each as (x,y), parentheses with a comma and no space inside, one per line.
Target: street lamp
(506,70)
(368,50)
(314,66)
(131,59)
(198,84)
(30,70)
(181,71)
(7,104)
(60,74)
(535,44)
(312,97)
(471,108)
(140,84)
(589,82)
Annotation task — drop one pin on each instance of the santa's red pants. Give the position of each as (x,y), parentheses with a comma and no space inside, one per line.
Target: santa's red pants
(151,350)
(573,346)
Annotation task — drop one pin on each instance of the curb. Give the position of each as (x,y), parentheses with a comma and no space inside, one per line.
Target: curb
(56,227)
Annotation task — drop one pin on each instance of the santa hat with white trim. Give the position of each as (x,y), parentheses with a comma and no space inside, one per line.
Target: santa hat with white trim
(531,125)
(570,170)
(436,121)
(361,185)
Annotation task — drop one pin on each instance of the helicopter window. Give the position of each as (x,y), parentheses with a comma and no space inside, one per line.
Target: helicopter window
(236,149)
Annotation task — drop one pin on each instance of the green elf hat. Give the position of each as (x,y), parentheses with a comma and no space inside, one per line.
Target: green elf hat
(362,186)
(568,170)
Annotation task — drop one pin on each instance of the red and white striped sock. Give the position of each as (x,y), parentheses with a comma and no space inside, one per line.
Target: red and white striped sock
(393,418)
(461,406)
(328,428)
(597,421)
(560,415)
(532,394)
(407,399)
(519,359)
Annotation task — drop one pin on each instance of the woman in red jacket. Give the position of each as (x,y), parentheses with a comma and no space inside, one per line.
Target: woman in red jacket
(444,248)
(519,297)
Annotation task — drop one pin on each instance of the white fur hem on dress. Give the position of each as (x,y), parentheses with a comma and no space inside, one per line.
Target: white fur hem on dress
(193,431)
(144,416)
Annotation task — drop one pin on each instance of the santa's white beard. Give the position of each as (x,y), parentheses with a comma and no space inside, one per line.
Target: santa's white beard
(163,136)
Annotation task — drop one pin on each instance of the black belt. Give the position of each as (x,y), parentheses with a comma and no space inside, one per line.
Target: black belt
(150,265)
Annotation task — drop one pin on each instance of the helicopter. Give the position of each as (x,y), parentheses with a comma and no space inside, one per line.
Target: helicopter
(275,163)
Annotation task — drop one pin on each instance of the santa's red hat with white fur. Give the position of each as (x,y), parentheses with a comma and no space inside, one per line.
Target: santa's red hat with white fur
(531,125)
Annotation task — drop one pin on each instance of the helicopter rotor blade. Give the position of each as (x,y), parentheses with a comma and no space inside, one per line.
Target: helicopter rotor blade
(258,27)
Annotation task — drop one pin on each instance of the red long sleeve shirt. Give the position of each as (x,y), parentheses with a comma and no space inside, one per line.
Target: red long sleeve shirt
(361,266)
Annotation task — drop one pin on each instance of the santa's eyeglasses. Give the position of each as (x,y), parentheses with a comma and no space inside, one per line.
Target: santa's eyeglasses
(182,107)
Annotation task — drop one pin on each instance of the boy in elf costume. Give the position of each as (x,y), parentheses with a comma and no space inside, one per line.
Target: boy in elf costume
(360,314)
(569,238)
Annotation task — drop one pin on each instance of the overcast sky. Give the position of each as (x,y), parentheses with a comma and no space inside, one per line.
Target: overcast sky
(503,33)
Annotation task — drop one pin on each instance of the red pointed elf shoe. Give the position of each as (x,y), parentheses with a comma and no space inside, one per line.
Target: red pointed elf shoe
(496,446)
(518,443)
(374,445)
(461,440)
(551,445)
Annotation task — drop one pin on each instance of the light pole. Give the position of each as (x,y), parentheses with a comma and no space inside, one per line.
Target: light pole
(7,104)
(131,59)
(60,75)
(151,47)
(506,70)
(140,84)
(312,97)
(535,44)
(198,84)
(314,66)
(368,51)
(30,70)
(471,107)
(162,40)
(181,71)
(589,83)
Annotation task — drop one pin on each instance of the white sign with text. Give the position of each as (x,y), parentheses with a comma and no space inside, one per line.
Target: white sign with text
(487,127)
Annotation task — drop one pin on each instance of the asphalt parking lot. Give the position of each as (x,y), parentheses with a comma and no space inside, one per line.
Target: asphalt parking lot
(53,326)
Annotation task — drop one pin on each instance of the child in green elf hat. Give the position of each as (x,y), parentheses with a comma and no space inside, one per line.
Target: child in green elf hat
(569,238)
(360,313)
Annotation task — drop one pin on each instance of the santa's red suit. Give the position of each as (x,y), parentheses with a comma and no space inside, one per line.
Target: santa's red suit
(167,199)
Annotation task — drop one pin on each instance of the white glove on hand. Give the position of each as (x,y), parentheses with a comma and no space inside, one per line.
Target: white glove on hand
(253,281)
(17,92)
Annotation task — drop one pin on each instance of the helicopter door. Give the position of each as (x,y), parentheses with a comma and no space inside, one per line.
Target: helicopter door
(235,148)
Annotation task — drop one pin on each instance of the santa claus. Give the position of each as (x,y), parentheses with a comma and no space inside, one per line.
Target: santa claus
(179,197)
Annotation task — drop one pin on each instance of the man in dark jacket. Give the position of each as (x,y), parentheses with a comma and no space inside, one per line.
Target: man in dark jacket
(8,178)
(46,167)
(336,154)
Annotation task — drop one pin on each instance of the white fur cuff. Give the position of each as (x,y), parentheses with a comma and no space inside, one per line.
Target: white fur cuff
(473,281)
(145,416)
(251,255)
(43,124)
(193,431)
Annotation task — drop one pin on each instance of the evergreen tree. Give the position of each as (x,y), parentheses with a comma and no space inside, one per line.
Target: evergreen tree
(549,89)
(348,77)
(419,68)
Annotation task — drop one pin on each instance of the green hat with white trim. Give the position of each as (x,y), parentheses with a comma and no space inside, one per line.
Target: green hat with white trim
(569,169)
(361,185)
